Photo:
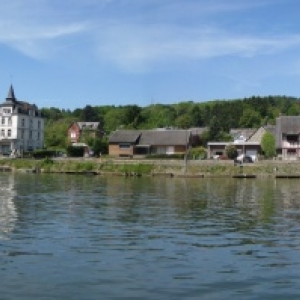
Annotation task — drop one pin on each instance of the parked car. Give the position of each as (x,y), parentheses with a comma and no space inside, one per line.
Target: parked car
(243,159)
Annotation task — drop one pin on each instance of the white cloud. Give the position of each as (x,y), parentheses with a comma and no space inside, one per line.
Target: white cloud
(35,28)
(39,28)
(136,48)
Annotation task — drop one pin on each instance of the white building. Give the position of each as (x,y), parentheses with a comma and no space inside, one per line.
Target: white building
(21,126)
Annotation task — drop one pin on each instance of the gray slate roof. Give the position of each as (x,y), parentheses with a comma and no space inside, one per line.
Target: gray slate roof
(270,128)
(18,106)
(288,124)
(11,94)
(150,137)
(245,132)
(124,136)
(88,125)
(164,137)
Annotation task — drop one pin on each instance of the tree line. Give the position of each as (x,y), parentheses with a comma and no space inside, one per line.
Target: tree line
(218,116)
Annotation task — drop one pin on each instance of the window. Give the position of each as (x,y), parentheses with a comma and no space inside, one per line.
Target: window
(39,124)
(3,121)
(22,134)
(2,133)
(30,134)
(73,134)
(30,123)
(8,133)
(292,139)
(124,146)
(291,151)
(23,122)
(6,110)
(38,136)
(9,121)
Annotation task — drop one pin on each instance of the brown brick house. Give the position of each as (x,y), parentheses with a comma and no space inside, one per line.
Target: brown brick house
(142,142)
(77,130)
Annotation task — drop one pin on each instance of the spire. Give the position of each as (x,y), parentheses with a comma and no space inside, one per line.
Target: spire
(11,94)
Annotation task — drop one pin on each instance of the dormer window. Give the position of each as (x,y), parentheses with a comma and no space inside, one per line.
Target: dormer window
(6,110)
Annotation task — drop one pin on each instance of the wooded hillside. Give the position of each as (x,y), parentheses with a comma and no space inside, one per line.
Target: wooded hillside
(221,115)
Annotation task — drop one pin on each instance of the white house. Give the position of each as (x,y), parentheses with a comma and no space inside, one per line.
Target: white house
(21,126)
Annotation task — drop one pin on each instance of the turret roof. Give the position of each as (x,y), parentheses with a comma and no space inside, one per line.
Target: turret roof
(11,94)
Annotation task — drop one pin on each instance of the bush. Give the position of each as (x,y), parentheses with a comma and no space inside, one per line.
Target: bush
(198,152)
(75,151)
(231,151)
(165,156)
(43,153)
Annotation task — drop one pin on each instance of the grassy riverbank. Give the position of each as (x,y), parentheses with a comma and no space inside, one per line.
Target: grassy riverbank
(150,167)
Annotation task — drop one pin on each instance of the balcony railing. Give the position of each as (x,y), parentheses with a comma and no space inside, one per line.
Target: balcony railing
(291,145)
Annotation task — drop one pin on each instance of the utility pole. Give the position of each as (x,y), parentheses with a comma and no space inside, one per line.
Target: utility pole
(186,152)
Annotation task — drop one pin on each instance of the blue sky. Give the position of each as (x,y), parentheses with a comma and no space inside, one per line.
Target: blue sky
(73,53)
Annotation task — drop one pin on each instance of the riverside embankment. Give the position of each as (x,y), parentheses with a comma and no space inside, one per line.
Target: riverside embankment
(142,167)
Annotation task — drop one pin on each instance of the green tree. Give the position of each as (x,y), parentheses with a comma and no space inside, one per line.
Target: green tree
(215,129)
(268,145)
(52,113)
(56,135)
(157,115)
(114,119)
(250,118)
(100,146)
(184,121)
(231,151)
(89,114)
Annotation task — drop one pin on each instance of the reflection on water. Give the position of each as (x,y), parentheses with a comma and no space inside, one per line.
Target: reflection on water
(8,212)
(81,237)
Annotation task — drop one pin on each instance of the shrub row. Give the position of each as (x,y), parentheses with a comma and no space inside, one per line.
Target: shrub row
(165,156)
(42,153)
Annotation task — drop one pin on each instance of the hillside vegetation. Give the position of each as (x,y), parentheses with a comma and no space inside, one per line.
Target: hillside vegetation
(220,116)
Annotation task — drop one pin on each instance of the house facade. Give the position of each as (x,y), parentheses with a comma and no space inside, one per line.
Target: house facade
(79,130)
(288,137)
(21,126)
(216,149)
(246,141)
(127,143)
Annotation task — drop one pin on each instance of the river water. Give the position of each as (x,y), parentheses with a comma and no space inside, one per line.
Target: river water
(89,237)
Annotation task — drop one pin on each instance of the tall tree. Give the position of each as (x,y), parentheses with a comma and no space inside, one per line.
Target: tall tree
(215,129)
(89,114)
(268,145)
